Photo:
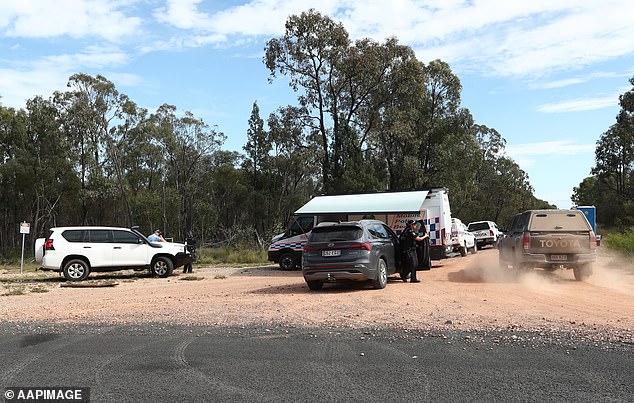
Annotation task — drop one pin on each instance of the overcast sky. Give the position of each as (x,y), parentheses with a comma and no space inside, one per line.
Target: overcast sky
(546,74)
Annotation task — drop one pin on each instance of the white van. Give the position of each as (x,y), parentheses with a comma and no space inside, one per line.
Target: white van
(393,208)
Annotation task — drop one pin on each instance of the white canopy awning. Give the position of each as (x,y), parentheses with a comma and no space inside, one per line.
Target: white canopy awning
(389,202)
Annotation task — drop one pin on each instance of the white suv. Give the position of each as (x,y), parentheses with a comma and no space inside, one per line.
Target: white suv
(77,251)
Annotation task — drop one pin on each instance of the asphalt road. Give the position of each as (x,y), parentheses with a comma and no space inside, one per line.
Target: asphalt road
(158,363)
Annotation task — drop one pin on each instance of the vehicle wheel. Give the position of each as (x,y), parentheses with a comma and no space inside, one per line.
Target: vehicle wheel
(463,250)
(582,272)
(162,266)
(474,250)
(76,270)
(288,261)
(381,275)
(315,285)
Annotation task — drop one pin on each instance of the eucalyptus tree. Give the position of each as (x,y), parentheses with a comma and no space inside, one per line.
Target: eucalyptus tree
(308,54)
(52,183)
(614,162)
(184,141)
(86,112)
(614,154)
(257,166)
(438,118)
(13,173)
(376,78)
(341,86)
(295,157)
(131,155)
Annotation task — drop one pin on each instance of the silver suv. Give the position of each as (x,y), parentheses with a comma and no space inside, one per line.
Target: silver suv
(77,251)
(353,250)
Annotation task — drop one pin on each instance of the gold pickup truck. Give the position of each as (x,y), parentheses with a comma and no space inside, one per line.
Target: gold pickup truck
(551,240)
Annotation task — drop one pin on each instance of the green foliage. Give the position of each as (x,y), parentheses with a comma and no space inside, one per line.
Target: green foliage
(611,187)
(215,256)
(621,242)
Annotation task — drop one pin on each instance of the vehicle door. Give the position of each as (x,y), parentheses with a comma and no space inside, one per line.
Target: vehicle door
(386,243)
(97,247)
(469,237)
(128,249)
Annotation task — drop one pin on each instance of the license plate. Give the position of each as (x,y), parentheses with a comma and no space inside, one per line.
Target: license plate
(558,257)
(335,252)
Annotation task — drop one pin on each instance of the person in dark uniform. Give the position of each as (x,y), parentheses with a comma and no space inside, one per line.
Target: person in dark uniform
(190,244)
(424,259)
(409,237)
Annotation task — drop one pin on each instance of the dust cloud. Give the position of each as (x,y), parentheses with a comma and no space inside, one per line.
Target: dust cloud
(610,272)
(614,273)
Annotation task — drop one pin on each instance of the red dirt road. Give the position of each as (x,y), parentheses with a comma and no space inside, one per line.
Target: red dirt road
(463,293)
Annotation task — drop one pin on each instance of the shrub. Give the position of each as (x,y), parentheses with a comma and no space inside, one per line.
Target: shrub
(231,256)
(622,242)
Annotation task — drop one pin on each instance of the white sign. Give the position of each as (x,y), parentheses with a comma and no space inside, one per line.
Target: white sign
(25,228)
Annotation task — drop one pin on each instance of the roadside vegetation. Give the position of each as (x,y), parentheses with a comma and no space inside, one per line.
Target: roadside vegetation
(621,242)
(231,256)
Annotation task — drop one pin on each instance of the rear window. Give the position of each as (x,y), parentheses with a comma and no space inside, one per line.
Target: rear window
(75,235)
(558,221)
(336,233)
(477,226)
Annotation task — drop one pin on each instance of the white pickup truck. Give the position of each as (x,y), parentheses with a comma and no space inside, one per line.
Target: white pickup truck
(486,232)
(462,240)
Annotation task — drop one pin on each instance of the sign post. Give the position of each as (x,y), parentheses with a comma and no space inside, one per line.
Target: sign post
(25,228)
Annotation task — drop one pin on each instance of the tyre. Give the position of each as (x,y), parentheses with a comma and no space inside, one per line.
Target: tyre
(582,272)
(76,270)
(288,261)
(463,250)
(381,275)
(162,266)
(474,250)
(315,285)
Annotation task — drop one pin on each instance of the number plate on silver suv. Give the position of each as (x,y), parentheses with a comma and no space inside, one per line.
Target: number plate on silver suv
(335,252)
(558,257)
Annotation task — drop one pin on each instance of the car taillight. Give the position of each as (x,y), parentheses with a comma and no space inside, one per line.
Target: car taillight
(365,245)
(593,240)
(307,248)
(491,232)
(526,242)
(49,245)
